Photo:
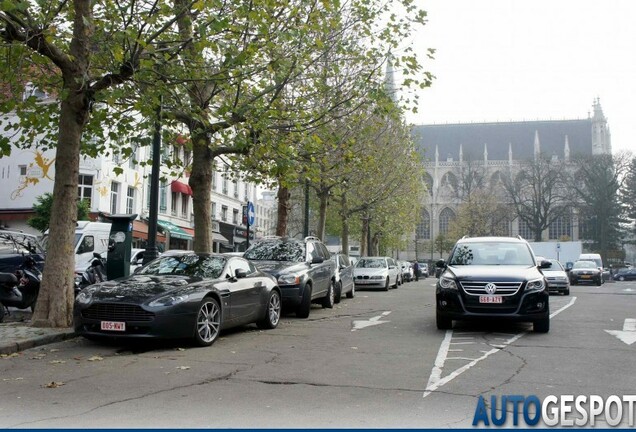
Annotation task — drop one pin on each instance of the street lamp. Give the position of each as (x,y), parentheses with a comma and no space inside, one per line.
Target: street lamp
(151,245)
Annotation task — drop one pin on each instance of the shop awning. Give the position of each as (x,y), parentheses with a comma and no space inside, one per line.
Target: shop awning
(177,186)
(220,238)
(174,230)
(140,230)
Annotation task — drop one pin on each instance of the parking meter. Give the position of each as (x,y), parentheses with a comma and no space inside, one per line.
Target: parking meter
(119,245)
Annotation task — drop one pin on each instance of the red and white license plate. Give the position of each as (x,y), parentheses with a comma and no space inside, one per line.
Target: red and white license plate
(490,299)
(113,326)
(586,277)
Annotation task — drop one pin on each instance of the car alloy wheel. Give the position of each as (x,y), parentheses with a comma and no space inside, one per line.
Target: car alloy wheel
(272,314)
(352,293)
(329,300)
(208,323)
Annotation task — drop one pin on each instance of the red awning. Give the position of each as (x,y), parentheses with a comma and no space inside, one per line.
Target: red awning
(140,230)
(177,186)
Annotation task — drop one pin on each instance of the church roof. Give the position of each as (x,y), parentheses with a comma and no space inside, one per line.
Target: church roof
(498,137)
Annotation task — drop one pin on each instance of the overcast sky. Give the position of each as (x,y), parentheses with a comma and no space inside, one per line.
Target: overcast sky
(501,60)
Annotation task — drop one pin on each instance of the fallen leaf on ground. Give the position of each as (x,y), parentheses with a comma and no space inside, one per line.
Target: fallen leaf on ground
(95,358)
(57,361)
(38,356)
(53,384)
(183,367)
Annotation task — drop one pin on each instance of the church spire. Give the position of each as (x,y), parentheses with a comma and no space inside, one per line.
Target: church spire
(389,78)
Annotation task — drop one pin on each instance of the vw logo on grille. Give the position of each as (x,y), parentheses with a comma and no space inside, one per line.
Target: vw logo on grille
(491,288)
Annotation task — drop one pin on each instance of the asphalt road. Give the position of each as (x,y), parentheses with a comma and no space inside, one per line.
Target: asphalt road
(375,361)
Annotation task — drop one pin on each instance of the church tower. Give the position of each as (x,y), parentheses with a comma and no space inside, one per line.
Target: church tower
(389,79)
(601,138)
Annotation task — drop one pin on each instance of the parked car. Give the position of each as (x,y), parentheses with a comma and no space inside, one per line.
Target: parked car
(492,278)
(137,258)
(302,268)
(407,271)
(182,296)
(15,247)
(376,272)
(424,271)
(557,277)
(585,272)
(625,274)
(343,277)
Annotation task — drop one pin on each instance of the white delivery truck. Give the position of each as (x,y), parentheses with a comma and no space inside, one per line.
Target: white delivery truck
(90,237)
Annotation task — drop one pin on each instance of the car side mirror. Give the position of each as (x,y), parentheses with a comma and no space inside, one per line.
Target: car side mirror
(240,273)
(440,263)
(545,264)
(317,260)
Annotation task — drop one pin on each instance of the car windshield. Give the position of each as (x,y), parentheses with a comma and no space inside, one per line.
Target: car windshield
(584,264)
(491,253)
(371,263)
(556,265)
(187,265)
(276,251)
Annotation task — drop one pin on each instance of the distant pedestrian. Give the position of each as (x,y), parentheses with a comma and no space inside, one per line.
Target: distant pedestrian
(416,270)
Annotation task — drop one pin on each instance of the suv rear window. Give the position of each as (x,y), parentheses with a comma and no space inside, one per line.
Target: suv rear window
(276,251)
(491,253)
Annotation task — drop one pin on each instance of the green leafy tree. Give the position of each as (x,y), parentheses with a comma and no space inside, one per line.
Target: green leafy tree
(596,187)
(628,194)
(80,52)
(42,208)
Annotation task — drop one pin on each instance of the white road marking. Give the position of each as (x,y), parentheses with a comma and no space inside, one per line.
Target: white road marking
(628,334)
(436,381)
(360,324)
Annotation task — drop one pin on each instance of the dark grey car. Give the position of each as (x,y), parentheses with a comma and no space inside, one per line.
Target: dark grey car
(303,269)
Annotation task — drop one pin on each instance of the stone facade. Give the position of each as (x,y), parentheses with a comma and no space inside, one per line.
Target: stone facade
(496,148)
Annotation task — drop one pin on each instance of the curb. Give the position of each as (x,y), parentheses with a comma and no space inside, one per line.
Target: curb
(26,343)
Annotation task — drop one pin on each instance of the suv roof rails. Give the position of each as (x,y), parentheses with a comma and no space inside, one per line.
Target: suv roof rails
(312,238)
(519,237)
(465,237)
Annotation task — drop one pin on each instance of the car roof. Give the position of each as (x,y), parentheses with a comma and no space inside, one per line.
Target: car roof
(491,239)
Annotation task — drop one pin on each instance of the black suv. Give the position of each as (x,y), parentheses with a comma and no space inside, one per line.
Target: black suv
(492,278)
(302,268)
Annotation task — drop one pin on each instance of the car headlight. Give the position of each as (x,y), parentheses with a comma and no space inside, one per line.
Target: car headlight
(168,300)
(447,283)
(84,297)
(289,279)
(377,277)
(535,285)
(561,278)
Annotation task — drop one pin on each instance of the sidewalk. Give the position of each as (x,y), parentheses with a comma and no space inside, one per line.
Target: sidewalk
(17,334)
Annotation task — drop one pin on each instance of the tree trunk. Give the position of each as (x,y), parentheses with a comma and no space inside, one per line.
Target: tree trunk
(201,184)
(375,246)
(323,196)
(344,239)
(283,196)
(54,307)
(364,247)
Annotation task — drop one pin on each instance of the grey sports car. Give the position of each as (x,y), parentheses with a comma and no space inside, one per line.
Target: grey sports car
(183,296)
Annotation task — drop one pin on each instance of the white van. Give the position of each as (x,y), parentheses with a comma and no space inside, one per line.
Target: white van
(90,237)
(595,258)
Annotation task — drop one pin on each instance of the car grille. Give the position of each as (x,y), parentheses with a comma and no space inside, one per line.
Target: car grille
(479,287)
(362,277)
(117,312)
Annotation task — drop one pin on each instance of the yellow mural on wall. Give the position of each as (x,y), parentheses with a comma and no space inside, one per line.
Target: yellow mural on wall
(36,171)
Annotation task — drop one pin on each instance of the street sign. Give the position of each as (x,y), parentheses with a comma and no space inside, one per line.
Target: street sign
(251,214)
(558,246)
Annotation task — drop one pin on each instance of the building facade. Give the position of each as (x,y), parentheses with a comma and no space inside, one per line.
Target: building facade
(29,173)
(497,148)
